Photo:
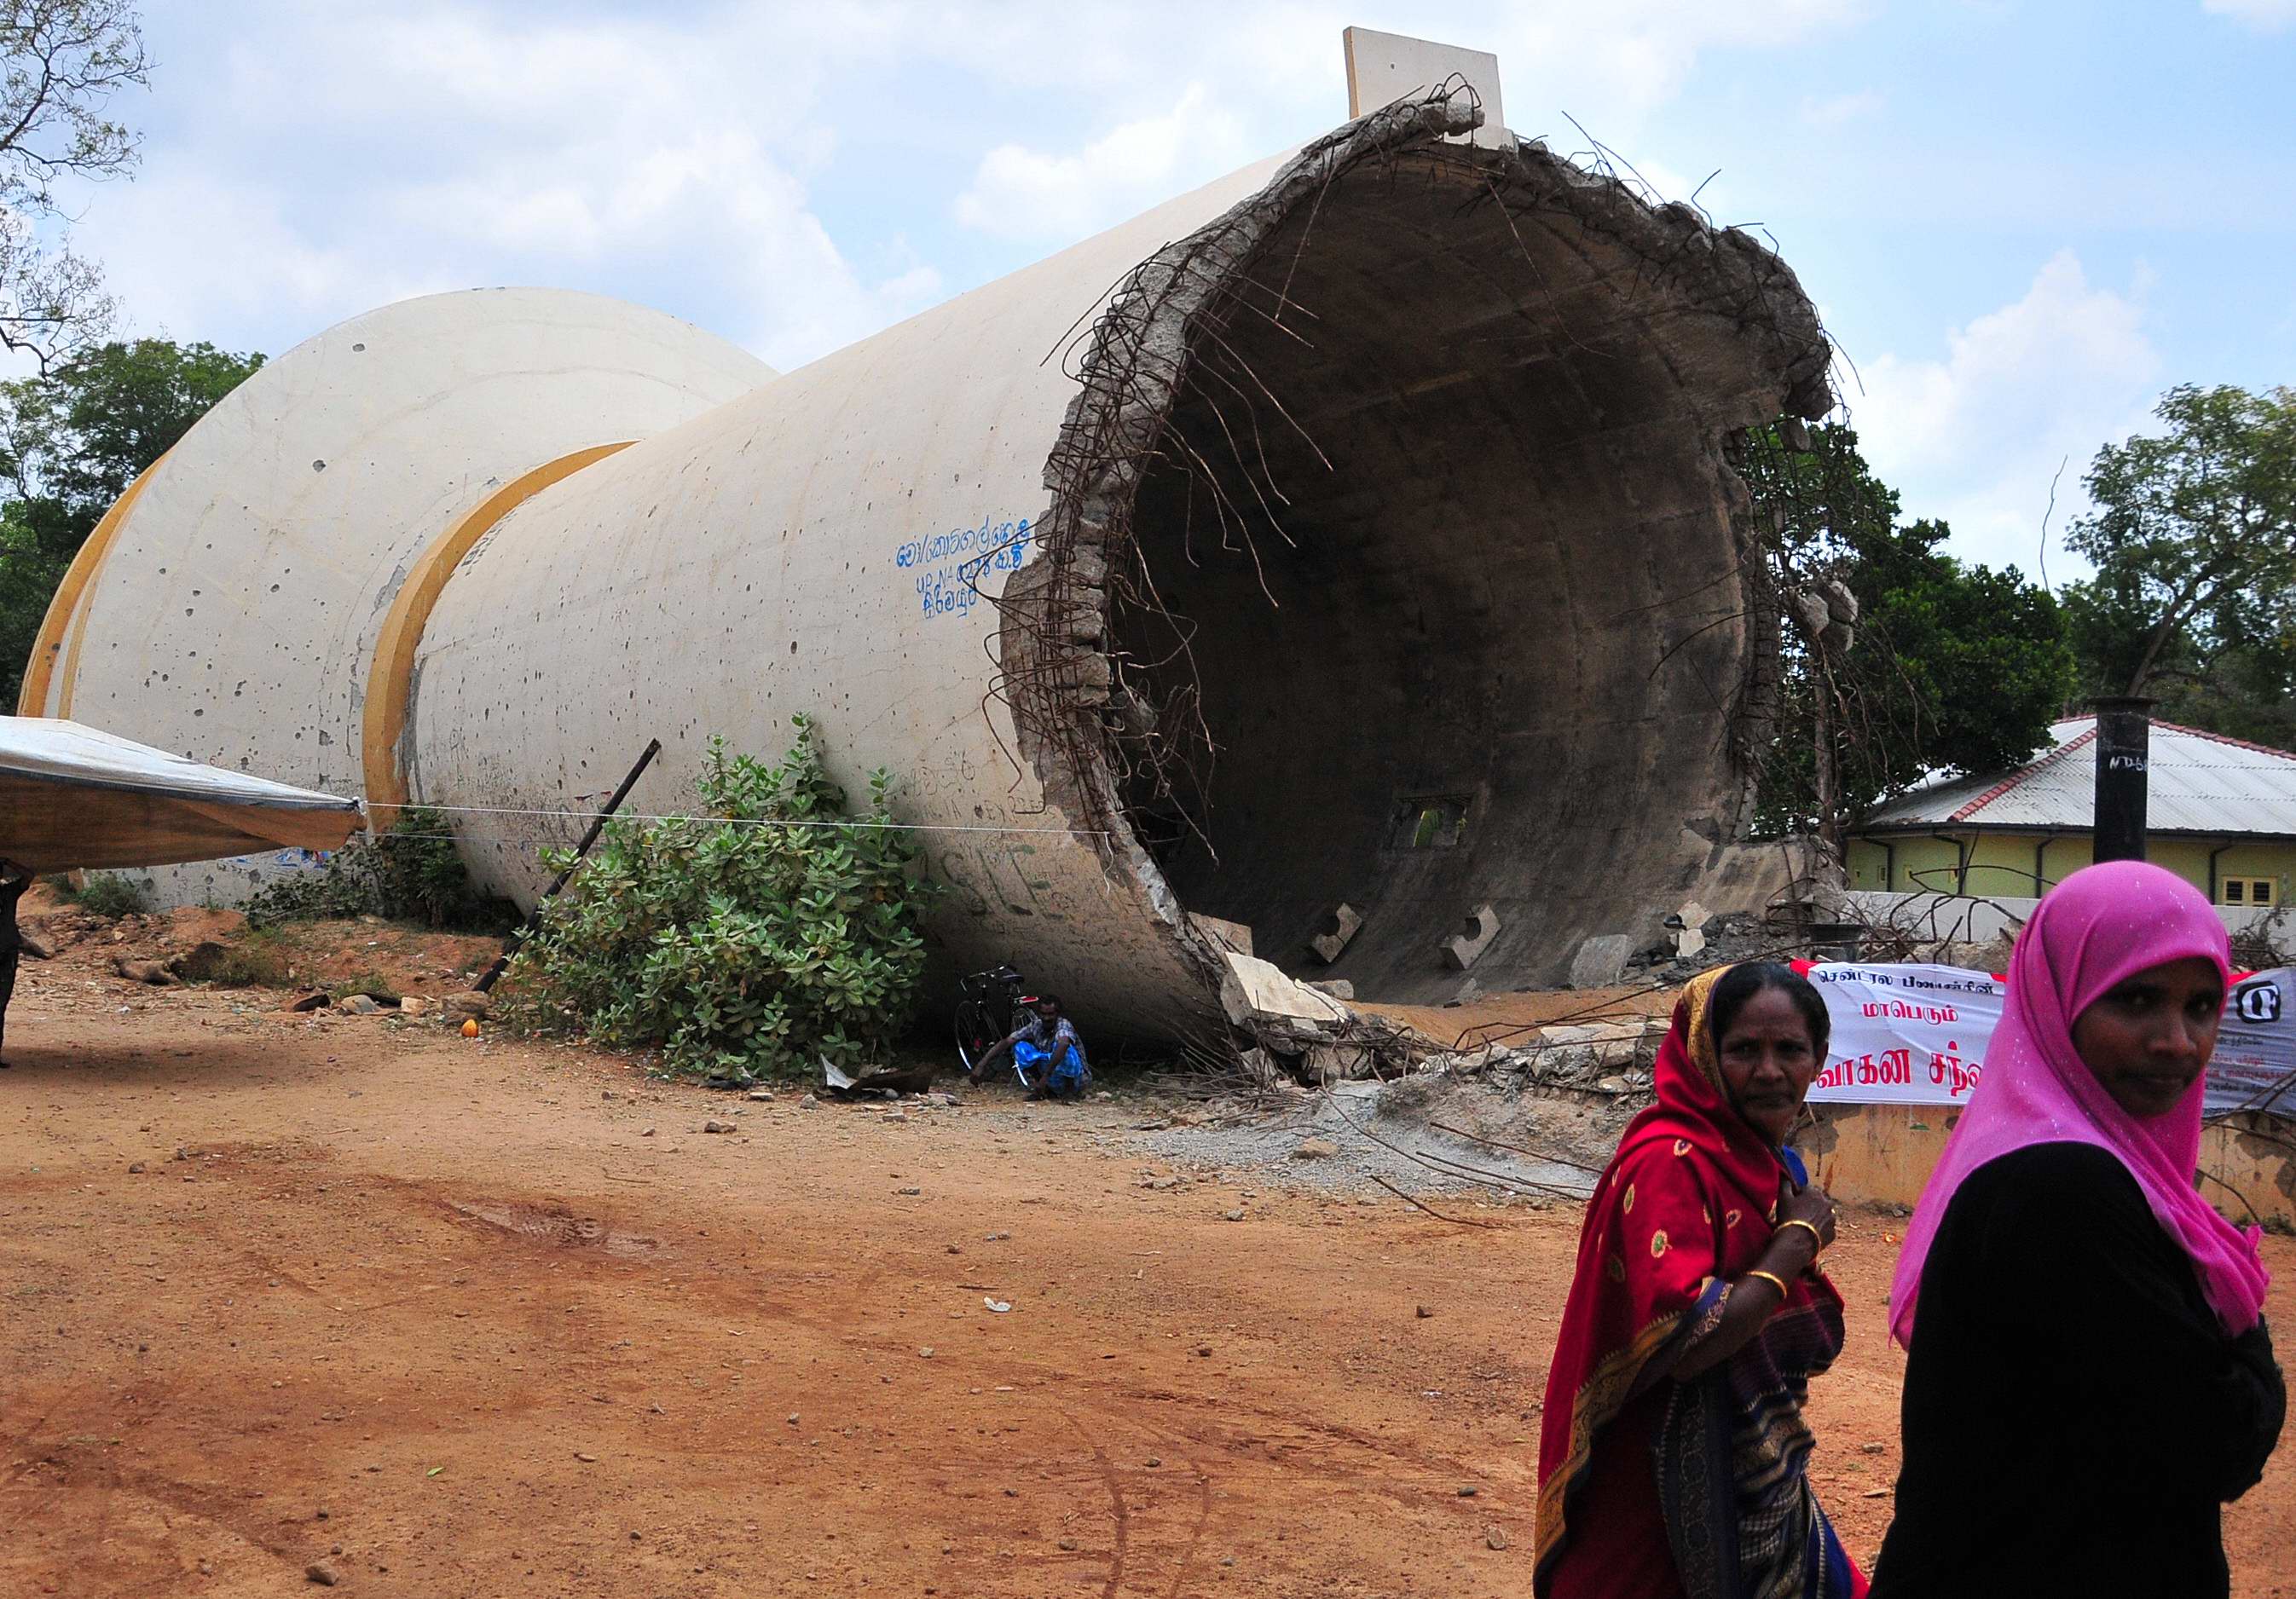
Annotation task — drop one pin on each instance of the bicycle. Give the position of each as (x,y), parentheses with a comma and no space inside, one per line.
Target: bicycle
(985,997)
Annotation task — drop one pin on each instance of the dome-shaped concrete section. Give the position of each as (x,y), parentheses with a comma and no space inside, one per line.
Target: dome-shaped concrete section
(232,605)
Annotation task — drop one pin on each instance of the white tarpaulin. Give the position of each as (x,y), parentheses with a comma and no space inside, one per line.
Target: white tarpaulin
(71,796)
(1918,1035)
(2255,1064)
(1904,1035)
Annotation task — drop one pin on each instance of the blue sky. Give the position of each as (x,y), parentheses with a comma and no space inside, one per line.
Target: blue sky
(2021,221)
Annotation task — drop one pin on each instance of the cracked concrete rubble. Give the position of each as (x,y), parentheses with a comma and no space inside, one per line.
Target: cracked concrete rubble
(1297,1033)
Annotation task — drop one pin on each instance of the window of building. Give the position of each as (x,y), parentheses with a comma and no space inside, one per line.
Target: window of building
(2250,891)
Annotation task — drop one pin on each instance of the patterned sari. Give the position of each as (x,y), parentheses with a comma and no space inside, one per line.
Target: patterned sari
(1690,1202)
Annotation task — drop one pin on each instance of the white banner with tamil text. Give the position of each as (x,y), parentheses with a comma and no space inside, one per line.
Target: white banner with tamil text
(1904,1035)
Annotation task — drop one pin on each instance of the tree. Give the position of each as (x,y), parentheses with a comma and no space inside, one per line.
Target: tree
(62,62)
(70,443)
(2194,538)
(1935,666)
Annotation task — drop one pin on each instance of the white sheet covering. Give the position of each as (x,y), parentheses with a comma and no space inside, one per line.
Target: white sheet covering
(73,796)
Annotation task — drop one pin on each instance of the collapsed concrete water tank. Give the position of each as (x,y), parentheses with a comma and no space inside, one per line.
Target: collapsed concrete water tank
(1358,528)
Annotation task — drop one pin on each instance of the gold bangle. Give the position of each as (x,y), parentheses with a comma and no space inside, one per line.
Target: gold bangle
(1773,1280)
(1816,1238)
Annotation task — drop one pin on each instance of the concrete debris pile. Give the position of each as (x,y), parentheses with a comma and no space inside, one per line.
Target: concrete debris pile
(1305,1033)
(1611,1059)
(1696,941)
(1295,1033)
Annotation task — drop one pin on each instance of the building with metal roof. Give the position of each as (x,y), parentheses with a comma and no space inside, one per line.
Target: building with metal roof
(2219,812)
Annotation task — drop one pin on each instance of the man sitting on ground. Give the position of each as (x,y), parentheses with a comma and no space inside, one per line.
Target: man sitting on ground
(1048,1052)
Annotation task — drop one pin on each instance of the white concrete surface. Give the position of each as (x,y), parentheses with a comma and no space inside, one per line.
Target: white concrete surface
(233,614)
(801,549)
(1383,68)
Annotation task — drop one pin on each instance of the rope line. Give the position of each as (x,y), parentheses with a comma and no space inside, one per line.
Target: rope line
(625,816)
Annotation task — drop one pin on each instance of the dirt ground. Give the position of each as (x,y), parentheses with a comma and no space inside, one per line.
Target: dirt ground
(458,1317)
(1507,1018)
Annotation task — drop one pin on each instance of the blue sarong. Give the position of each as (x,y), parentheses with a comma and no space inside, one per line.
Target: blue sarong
(1068,1073)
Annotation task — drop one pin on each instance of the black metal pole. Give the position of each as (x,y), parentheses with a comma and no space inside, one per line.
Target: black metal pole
(597,826)
(2124,738)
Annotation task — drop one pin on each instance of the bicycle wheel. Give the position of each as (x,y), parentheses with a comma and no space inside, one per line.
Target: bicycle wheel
(972,1037)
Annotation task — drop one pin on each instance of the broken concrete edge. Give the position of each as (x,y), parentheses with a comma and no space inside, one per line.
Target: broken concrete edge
(1254,990)
(1344,922)
(1221,935)
(1055,614)
(1608,1060)
(1282,1029)
(1462,947)
(1301,1032)
(1601,960)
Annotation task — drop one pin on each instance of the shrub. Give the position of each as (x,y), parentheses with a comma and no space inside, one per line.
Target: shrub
(377,988)
(109,894)
(257,961)
(778,934)
(411,872)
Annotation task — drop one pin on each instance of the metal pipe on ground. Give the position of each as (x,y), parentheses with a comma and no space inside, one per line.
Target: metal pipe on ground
(517,940)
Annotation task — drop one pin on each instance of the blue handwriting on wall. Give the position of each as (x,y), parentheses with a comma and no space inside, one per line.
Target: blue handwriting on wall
(949,566)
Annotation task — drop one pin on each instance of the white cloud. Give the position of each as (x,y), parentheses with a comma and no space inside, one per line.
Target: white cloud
(1974,437)
(1616,63)
(1023,194)
(2266,16)
(1277,77)
(308,161)
(319,160)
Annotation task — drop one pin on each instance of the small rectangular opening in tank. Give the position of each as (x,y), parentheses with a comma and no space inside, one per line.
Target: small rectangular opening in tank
(1430,822)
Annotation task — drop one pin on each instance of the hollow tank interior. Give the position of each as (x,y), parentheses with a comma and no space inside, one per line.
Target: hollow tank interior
(1437,579)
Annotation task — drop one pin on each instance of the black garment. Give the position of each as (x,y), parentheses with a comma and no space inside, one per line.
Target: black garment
(2074,1416)
(12,885)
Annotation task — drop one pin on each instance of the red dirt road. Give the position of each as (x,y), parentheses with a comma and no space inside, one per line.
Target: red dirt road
(444,1308)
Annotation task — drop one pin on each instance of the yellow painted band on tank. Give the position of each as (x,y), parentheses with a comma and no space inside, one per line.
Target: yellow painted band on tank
(390,677)
(48,648)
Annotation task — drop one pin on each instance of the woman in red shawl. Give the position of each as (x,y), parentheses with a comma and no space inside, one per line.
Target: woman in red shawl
(1671,1452)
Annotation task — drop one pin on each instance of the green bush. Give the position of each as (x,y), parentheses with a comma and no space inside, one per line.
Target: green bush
(781,934)
(109,894)
(377,988)
(410,874)
(257,961)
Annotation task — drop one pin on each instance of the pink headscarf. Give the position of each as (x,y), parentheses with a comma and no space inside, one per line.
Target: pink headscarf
(2100,925)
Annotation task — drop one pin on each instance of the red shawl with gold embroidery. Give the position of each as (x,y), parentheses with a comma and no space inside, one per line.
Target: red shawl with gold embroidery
(1684,1209)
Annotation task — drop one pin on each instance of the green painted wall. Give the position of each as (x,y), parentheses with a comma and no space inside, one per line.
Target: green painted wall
(2002,862)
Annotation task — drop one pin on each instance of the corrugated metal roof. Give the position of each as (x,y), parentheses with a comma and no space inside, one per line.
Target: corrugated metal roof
(2198,782)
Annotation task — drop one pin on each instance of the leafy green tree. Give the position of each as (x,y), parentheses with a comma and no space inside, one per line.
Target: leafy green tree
(781,935)
(71,441)
(2193,538)
(1937,666)
(62,63)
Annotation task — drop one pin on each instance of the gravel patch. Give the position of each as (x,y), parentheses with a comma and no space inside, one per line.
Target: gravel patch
(1339,1139)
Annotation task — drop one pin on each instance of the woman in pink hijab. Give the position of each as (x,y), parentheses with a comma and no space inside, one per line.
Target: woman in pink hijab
(2090,1378)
